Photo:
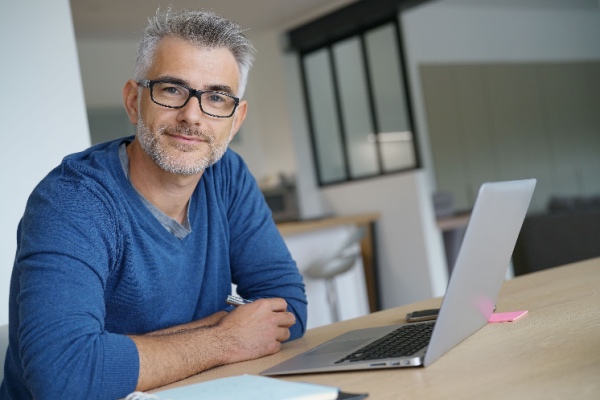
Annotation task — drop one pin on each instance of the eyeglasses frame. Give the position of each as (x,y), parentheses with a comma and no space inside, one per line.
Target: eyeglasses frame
(149,83)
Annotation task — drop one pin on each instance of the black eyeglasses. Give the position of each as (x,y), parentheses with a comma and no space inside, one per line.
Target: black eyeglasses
(175,95)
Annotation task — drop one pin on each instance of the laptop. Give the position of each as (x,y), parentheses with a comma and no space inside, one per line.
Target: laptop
(470,298)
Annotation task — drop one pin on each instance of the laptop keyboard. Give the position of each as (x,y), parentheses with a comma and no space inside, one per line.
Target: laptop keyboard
(402,342)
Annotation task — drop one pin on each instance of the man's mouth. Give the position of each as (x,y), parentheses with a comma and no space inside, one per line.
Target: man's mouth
(187,136)
(187,139)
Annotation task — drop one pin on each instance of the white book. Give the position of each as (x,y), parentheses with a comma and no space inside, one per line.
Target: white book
(244,387)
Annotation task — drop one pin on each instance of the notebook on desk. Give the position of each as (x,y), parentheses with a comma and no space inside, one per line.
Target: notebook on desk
(470,298)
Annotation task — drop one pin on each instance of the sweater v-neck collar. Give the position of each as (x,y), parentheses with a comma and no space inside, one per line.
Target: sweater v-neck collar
(180,231)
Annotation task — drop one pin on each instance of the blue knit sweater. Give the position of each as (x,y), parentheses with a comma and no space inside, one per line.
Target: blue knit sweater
(93,265)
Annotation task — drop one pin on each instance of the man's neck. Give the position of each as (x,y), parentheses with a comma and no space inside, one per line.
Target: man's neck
(170,193)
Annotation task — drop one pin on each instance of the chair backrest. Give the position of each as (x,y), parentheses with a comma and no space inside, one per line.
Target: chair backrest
(340,259)
(3,348)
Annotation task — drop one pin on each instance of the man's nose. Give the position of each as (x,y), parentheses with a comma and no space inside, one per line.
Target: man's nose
(191,112)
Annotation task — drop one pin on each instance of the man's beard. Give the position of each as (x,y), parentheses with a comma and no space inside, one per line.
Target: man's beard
(167,158)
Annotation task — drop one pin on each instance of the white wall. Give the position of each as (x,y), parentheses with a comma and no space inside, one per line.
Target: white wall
(461,31)
(268,126)
(410,252)
(42,108)
(105,67)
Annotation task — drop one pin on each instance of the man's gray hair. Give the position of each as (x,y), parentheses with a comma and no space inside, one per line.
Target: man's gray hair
(204,29)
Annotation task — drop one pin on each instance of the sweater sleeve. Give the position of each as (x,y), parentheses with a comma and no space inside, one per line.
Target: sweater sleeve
(261,264)
(66,248)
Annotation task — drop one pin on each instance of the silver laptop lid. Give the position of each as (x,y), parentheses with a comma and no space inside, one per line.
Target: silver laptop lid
(481,263)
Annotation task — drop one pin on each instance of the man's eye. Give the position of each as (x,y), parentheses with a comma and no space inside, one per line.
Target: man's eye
(172,89)
(169,89)
(216,98)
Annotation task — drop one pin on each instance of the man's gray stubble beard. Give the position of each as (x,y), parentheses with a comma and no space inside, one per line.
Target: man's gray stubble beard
(150,144)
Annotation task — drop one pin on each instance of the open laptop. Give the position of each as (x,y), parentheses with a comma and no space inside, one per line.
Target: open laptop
(470,298)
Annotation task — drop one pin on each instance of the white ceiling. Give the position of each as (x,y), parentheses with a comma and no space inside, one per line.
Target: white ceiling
(125,19)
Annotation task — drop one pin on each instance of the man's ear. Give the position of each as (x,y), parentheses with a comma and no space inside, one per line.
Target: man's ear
(239,117)
(130,100)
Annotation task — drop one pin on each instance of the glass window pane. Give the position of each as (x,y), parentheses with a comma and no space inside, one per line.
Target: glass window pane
(356,112)
(395,134)
(325,125)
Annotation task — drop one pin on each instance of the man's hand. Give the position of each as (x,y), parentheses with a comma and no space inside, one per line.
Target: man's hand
(255,330)
(250,331)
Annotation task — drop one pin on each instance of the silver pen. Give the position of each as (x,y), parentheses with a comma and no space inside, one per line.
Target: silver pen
(237,301)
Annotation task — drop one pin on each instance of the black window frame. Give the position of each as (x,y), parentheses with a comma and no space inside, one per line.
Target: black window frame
(327,43)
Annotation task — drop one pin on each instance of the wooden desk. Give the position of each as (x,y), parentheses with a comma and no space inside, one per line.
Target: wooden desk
(367,244)
(452,222)
(551,353)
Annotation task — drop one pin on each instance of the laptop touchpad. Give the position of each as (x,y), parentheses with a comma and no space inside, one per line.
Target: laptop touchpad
(335,347)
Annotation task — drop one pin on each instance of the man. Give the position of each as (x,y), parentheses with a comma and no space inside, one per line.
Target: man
(127,251)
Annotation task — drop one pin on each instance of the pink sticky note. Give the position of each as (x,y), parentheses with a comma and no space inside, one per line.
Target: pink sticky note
(507,316)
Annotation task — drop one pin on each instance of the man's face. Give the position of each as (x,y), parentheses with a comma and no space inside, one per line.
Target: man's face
(187,141)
